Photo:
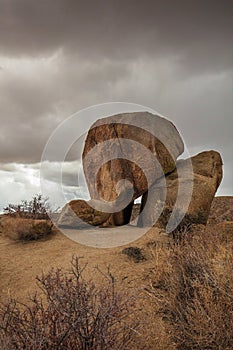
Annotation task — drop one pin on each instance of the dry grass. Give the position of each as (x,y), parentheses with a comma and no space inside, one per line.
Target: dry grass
(75,315)
(192,291)
(25,229)
(184,288)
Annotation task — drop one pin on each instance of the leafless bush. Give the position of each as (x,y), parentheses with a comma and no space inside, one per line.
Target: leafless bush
(75,314)
(193,294)
(37,208)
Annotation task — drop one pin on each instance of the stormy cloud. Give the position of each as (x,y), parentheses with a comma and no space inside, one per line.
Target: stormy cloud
(59,57)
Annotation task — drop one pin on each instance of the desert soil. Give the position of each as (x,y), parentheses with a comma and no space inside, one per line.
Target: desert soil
(21,262)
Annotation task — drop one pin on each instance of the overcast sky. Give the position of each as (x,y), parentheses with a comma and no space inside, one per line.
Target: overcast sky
(57,57)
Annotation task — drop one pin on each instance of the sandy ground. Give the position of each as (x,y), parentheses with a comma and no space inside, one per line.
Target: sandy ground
(21,262)
(106,237)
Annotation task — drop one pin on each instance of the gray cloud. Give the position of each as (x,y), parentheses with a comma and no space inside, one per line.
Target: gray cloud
(22,181)
(118,28)
(58,57)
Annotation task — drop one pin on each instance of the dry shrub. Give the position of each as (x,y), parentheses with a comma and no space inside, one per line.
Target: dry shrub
(134,253)
(192,292)
(37,208)
(25,229)
(75,314)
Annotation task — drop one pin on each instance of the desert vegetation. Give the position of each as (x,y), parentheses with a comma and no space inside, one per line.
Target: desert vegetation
(20,229)
(188,283)
(36,208)
(180,299)
(28,220)
(191,286)
(74,314)
(134,253)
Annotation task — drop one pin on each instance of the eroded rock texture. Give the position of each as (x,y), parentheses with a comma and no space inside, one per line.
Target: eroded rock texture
(139,147)
(80,213)
(198,185)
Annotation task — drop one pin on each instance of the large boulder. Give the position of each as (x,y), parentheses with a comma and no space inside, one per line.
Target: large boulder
(197,179)
(81,213)
(138,147)
(221,210)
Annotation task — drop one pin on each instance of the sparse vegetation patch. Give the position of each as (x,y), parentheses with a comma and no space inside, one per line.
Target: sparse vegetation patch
(134,253)
(75,314)
(25,229)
